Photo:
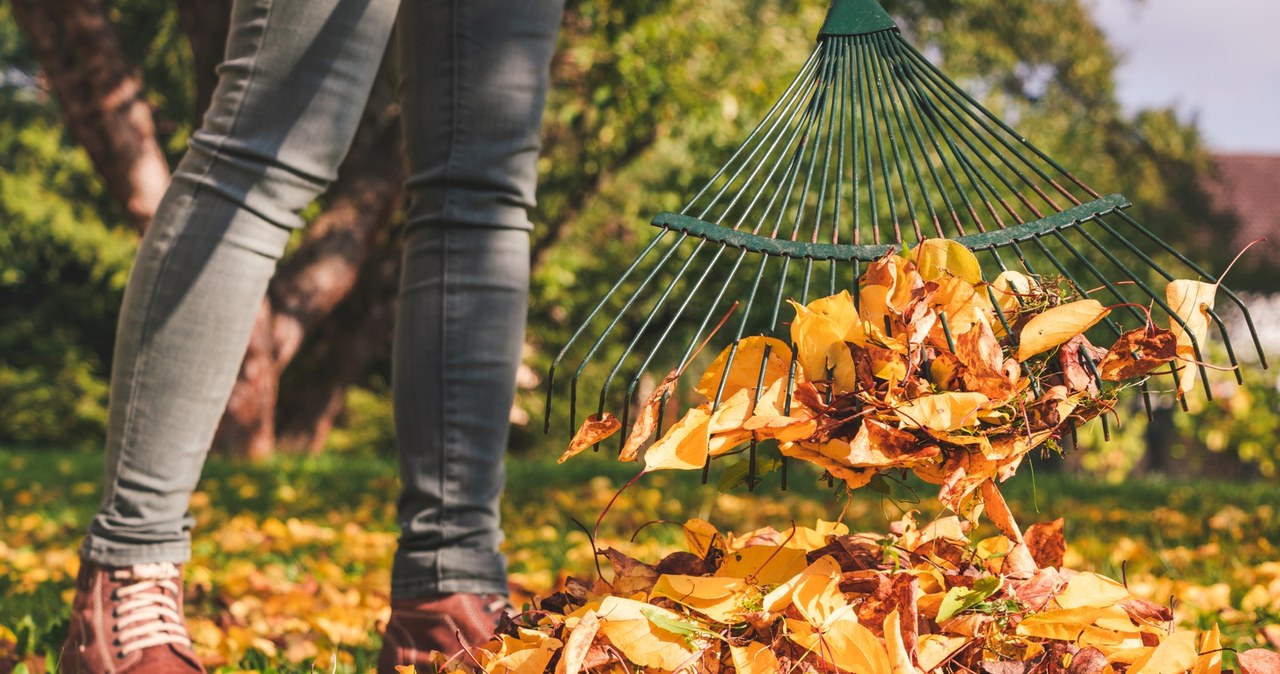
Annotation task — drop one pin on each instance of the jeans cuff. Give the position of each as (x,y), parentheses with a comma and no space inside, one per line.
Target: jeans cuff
(418,574)
(109,553)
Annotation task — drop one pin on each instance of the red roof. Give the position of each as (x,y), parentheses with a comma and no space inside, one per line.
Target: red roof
(1248,185)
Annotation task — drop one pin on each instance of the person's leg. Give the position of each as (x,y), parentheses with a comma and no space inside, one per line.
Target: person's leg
(289,98)
(474,84)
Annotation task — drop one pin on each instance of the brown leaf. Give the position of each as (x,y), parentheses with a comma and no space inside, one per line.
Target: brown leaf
(1149,612)
(1075,375)
(647,421)
(1138,352)
(1087,661)
(597,427)
(681,563)
(1046,542)
(630,575)
(1259,661)
(1036,591)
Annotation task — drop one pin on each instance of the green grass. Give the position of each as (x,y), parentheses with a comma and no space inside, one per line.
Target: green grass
(268,531)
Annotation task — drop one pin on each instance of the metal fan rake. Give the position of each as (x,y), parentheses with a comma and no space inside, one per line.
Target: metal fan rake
(870,149)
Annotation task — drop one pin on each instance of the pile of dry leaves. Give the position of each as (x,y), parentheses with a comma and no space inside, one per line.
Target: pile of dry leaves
(918,599)
(928,369)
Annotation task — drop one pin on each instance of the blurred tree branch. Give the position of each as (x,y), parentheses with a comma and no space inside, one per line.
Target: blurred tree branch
(101,97)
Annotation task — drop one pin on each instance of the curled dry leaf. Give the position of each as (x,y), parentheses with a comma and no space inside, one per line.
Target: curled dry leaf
(1191,302)
(597,427)
(1138,352)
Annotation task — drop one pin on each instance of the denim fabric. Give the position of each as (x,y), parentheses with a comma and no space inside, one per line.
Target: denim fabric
(289,98)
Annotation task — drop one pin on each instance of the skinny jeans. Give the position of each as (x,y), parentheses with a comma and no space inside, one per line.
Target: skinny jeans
(290,94)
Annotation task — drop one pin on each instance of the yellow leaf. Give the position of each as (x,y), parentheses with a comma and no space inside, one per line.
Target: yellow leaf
(577,645)
(684,447)
(937,257)
(1175,655)
(812,579)
(745,370)
(821,348)
(718,598)
(1062,625)
(942,411)
(1091,590)
(764,564)
(597,427)
(807,539)
(843,644)
(628,627)
(701,535)
(1210,658)
(1191,301)
(732,412)
(527,655)
(406,669)
(936,649)
(1055,326)
(754,658)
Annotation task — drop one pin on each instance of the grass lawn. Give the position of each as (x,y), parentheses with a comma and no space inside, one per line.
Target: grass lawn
(291,558)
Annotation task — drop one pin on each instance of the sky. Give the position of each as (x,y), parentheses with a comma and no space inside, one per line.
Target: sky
(1215,61)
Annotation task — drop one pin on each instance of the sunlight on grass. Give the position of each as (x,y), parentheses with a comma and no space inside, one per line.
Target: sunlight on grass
(292,558)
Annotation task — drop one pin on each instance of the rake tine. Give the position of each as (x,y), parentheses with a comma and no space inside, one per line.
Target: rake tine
(800,79)
(919,58)
(551,372)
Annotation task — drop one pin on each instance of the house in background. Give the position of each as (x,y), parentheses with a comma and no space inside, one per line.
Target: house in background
(1248,186)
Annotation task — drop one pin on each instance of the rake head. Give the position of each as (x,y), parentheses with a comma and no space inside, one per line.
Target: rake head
(869,150)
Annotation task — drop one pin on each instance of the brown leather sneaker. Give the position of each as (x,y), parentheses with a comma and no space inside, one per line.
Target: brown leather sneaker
(442,623)
(128,620)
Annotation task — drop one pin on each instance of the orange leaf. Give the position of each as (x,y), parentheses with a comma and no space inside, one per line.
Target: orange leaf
(754,658)
(719,598)
(597,427)
(1175,655)
(626,623)
(1210,659)
(684,447)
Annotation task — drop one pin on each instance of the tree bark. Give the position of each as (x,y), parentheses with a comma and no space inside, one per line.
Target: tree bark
(206,24)
(339,355)
(100,94)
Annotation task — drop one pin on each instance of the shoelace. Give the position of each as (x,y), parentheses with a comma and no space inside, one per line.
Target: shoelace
(148,614)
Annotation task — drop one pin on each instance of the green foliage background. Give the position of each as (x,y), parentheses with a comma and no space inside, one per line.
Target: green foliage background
(650,97)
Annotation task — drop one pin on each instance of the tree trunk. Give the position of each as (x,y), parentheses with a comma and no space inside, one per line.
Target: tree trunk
(100,94)
(339,355)
(206,24)
(317,277)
